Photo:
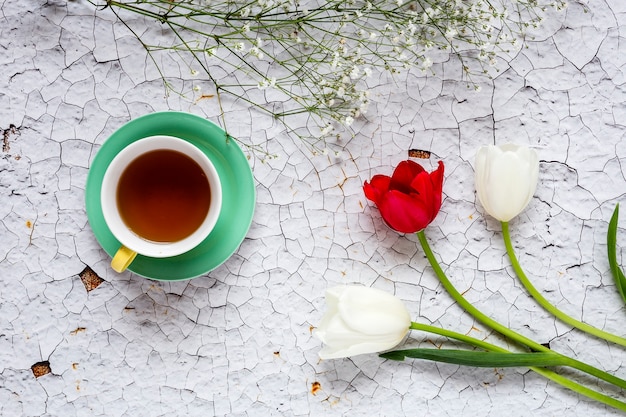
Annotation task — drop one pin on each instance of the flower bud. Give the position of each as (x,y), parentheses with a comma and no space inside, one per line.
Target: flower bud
(506,179)
(410,199)
(361,320)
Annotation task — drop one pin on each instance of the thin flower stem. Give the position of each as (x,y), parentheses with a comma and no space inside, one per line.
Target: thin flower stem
(457,336)
(545,303)
(505,331)
(551,375)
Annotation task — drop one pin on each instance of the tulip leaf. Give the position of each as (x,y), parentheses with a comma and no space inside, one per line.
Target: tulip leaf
(611,241)
(480,358)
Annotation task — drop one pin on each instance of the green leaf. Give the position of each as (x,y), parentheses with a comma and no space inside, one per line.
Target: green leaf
(611,242)
(480,358)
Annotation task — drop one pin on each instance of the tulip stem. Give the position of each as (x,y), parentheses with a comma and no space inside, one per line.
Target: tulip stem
(505,331)
(545,303)
(551,375)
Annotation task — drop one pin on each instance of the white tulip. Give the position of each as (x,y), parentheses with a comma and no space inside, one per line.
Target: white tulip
(361,320)
(506,179)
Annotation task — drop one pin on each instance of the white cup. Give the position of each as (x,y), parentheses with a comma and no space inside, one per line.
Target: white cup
(132,243)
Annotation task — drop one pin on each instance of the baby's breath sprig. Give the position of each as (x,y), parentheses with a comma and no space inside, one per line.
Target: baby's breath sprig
(289,57)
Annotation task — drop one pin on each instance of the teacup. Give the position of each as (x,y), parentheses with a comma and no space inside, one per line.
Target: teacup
(161,197)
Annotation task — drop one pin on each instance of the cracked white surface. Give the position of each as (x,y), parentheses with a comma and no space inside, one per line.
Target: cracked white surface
(237,342)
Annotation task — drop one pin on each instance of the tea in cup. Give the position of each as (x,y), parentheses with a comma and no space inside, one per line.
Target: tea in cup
(161,197)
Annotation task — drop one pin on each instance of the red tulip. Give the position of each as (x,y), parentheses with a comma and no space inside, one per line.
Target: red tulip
(410,199)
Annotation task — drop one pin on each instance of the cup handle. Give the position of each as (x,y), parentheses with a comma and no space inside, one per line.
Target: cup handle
(122,259)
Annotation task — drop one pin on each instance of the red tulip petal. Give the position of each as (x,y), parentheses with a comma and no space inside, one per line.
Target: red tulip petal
(376,188)
(437,178)
(404,174)
(430,187)
(403,212)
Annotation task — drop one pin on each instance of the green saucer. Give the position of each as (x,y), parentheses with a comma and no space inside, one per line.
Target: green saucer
(238,190)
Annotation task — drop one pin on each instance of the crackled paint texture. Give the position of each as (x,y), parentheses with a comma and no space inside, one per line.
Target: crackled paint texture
(77,339)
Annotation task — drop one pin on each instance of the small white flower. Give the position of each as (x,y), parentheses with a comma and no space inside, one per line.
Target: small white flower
(450,33)
(327,129)
(196,88)
(341,92)
(367,71)
(412,28)
(561,5)
(266,83)
(254,51)
(355,72)
(194,72)
(348,121)
(426,63)
(245,12)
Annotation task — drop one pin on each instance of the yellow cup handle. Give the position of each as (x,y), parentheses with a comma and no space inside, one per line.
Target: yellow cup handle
(123,257)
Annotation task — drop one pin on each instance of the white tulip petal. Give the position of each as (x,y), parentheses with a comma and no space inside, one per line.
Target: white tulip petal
(361,320)
(506,179)
(373,311)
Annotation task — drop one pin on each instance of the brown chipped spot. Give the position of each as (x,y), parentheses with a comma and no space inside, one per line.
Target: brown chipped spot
(418,153)
(75,366)
(473,329)
(29,224)
(90,279)
(311,328)
(41,369)
(78,330)
(204,97)
(277,354)
(438,346)
(6,133)
(315,387)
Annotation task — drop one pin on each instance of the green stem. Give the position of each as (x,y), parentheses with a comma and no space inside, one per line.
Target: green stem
(551,375)
(457,336)
(611,245)
(505,331)
(545,303)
